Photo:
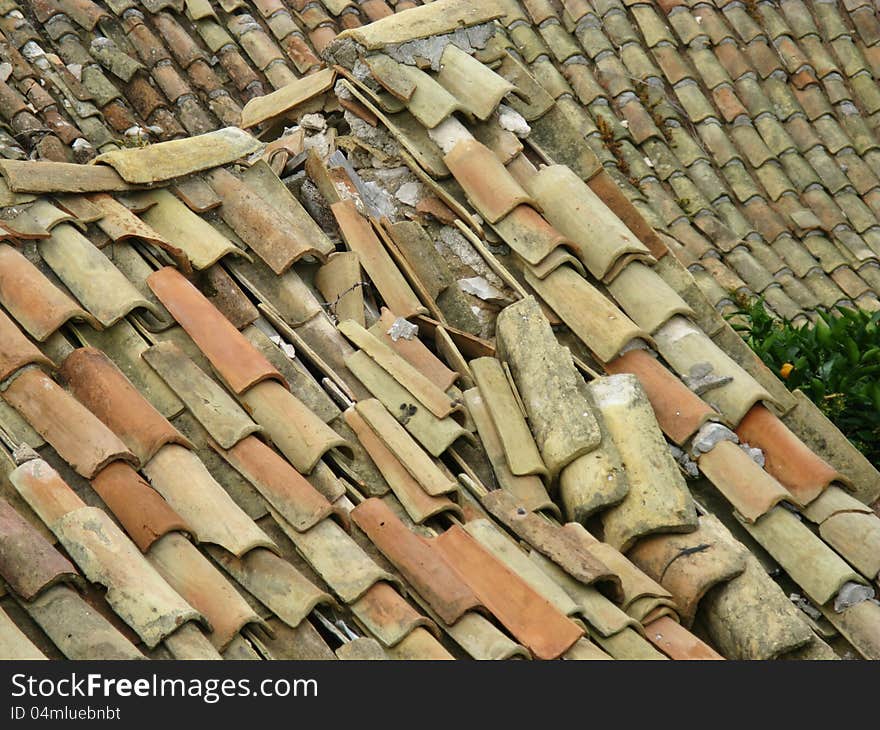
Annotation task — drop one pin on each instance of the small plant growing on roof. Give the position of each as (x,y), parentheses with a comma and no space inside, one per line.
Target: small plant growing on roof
(834,362)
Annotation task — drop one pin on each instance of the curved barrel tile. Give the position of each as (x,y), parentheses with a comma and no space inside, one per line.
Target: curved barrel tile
(658,499)
(491,189)
(16,350)
(99,385)
(297,432)
(679,411)
(34,301)
(201,585)
(28,562)
(91,277)
(237,361)
(210,404)
(185,483)
(804,474)
(419,505)
(136,592)
(433,579)
(73,431)
(560,417)
(140,509)
(281,485)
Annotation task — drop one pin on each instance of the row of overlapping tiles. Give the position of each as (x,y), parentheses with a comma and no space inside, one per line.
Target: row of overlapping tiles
(82,73)
(777,156)
(245,372)
(607,251)
(484,158)
(754,267)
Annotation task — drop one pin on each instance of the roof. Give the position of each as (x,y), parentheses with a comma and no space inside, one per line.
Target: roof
(329,339)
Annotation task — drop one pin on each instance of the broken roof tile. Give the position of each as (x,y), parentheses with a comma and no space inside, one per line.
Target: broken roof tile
(176,158)
(341,284)
(137,593)
(361,238)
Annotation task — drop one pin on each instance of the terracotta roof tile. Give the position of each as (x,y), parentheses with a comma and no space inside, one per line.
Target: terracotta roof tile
(60,607)
(756,169)
(275,582)
(209,510)
(689,565)
(668,636)
(234,357)
(679,411)
(545,631)
(418,504)
(799,470)
(18,351)
(201,584)
(72,430)
(98,384)
(285,489)
(28,562)
(145,516)
(558,544)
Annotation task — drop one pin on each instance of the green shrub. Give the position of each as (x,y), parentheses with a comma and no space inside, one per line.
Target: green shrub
(835,362)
